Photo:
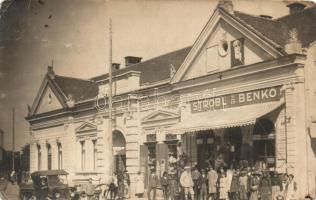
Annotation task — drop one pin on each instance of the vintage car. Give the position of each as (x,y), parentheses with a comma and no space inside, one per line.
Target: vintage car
(51,184)
(27,190)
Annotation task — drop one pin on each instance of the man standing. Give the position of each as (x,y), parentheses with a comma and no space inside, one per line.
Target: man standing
(212,181)
(90,189)
(203,185)
(187,182)
(152,184)
(127,182)
(196,177)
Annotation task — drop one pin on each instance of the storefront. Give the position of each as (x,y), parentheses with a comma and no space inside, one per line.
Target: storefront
(235,130)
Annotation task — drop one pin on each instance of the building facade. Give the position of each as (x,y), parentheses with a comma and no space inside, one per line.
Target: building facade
(242,94)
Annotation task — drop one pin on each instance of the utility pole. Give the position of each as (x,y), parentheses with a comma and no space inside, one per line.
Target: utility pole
(110,139)
(13,138)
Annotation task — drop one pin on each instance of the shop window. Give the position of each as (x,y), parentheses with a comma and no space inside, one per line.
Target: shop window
(49,157)
(60,156)
(264,143)
(205,142)
(152,156)
(172,143)
(39,157)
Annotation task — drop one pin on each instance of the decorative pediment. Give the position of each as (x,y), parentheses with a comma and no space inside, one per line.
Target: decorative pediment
(224,43)
(86,128)
(48,98)
(160,115)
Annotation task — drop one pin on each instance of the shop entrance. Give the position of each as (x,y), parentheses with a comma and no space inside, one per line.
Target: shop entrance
(264,143)
(119,151)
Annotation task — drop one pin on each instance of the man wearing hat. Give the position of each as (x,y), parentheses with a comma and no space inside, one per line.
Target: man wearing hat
(212,180)
(127,182)
(152,184)
(203,185)
(187,182)
(196,175)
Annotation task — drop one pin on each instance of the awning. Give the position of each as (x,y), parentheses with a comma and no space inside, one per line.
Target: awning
(224,118)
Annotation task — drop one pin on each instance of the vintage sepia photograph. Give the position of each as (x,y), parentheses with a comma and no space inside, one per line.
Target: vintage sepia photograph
(157,100)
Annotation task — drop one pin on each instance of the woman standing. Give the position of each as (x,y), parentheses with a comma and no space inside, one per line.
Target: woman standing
(291,188)
(234,187)
(254,186)
(265,187)
(121,187)
(173,184)
(140,187)
(243,185)
(223,185)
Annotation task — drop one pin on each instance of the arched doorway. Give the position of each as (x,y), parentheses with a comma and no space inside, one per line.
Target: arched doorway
(119,151)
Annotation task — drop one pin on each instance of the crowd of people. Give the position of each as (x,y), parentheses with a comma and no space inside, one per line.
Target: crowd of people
(226,184)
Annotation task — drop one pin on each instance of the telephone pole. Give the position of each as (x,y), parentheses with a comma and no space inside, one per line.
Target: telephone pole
(110,140)
(13,138)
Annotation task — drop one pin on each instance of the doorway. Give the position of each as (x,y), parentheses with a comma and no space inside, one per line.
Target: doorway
(119,151)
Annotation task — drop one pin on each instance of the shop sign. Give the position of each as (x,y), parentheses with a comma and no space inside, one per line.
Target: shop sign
(236,99)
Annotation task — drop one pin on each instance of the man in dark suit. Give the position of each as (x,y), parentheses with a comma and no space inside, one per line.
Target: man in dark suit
(152,184)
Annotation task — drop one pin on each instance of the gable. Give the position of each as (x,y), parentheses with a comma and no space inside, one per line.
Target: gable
(86,127)
(224,39)
(159,116)
(48,101)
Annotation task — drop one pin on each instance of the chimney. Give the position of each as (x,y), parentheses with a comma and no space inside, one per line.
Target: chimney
(50,72)
(115,66)
(296,7)
(227,5)
(266,16)
(293,44)
(131,60)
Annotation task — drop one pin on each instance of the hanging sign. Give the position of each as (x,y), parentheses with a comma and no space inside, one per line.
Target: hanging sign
(237,99)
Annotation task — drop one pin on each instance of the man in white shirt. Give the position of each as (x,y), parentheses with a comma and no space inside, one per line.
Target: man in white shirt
(187,182)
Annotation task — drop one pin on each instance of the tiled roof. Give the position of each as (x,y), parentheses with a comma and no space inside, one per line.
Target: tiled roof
(304,22)
(79,89)
(277,30)
(271,29)
(155,69)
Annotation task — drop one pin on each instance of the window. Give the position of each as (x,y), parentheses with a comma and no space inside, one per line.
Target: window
(264,143)
(94,153)
(39,157)
(60,156)
(49,157)
(83,155)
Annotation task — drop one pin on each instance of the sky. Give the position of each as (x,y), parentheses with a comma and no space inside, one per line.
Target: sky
(74,34)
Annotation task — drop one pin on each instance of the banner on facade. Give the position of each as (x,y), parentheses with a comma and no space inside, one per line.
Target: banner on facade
(236,99)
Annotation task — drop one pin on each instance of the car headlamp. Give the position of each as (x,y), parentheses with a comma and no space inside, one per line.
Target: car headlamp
(57,194)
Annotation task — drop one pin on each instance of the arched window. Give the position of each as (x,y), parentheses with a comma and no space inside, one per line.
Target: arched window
(94,153)
(49,157)
(39,157)
(83,155)
(264,143)
(60,156)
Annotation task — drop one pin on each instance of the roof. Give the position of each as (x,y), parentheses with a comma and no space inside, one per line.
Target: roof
(49,173)
(155,69)
(304,22)
(277,30)
(79,89)
(271,29)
